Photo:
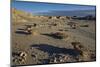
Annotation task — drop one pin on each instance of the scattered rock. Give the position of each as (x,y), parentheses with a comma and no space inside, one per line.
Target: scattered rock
(60,35)
(84,53)
(85,25)
(19,57)
(61,58)
(73,25)
(77,45)
(23,54)
(34,55)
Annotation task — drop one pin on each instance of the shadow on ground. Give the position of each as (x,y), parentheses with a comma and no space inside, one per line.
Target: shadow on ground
(53,49)
(53,36)
(22,32)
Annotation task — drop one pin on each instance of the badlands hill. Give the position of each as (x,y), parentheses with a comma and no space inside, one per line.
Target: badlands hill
(22,16)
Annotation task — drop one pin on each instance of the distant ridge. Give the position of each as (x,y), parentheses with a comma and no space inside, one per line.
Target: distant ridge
(69,13)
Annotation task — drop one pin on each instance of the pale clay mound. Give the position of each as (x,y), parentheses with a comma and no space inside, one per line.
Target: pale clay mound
(41,47)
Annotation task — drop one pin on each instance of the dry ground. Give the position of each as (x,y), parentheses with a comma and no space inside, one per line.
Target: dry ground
(40,47)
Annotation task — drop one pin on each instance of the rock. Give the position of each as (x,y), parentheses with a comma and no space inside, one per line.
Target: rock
(18,60)
(14,59)
(34,56)
(60,58)
(84,53)
(60,35)
(86,56)
(19,57)
(23,54)
(73,25)
(77,46)
(55,60)
(85,25)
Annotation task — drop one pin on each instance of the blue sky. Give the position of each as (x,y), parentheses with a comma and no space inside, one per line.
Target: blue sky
(36,7)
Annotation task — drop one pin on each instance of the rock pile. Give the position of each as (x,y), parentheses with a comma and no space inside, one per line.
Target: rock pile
(61,58)
(73,25)
(84,53)
(60,35)
(19,57)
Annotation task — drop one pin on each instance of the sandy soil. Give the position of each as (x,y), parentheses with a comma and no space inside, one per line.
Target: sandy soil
(41,47)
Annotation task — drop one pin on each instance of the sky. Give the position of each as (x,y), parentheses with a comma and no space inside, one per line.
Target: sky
(36,7)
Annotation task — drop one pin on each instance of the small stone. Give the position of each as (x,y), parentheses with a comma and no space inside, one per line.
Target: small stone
(33,55)
(55,60)
(14,59)
(23,54)
(21,60)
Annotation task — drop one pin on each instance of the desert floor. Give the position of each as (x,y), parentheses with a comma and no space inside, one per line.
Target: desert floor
(39,47)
